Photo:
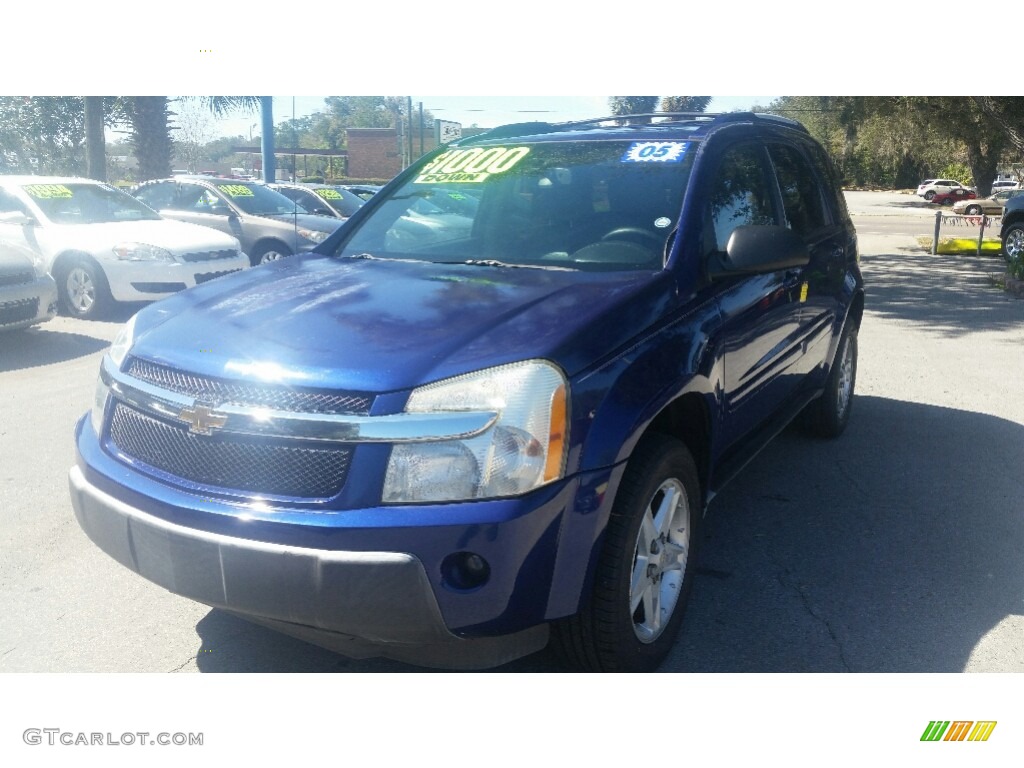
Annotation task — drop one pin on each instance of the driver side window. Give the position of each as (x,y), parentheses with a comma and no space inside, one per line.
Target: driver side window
(740,193)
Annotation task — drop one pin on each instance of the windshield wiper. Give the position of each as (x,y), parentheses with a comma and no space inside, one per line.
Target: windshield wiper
(496,263)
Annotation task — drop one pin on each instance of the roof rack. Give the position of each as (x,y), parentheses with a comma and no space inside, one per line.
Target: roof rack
(710,118)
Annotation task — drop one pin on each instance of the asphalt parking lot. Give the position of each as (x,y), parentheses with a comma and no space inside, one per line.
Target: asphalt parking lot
(897,548)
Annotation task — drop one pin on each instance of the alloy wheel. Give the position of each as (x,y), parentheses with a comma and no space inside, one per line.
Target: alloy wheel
(81,289)
(659,561)
(1015,243)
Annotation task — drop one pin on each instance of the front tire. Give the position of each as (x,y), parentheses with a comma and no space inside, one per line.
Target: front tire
(645,571)
(973,210)
(1013,242)
(828,415)
(83,288)
(929,195)
(267,252)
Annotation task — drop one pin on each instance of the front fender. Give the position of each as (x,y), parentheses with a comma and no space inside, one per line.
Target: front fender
(616,402)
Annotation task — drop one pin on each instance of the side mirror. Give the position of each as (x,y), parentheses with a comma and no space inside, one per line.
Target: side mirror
(755,249)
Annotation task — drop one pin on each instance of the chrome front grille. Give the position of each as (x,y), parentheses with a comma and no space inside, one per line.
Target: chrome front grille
(221,392)
(230,461)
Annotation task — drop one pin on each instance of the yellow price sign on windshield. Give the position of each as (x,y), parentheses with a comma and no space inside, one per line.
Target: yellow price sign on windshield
(471,165)
(235,190)
(48,191)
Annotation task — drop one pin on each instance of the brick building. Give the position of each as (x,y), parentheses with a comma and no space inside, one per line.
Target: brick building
(376,153)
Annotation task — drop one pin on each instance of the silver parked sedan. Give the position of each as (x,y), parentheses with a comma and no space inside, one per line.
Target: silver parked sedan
(27,294)
(990,206)
(268,224)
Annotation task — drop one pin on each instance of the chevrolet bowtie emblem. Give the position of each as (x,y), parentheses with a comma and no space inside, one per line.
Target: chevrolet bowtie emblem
(202,420)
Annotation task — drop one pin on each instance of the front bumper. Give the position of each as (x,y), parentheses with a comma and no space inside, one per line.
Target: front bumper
(26,304)
(358,603)
(151,280)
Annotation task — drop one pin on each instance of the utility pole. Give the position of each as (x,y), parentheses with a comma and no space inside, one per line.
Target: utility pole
(267,139)
(409,112)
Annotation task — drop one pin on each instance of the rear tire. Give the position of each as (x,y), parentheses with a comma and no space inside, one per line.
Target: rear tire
(828,415)
(645,570)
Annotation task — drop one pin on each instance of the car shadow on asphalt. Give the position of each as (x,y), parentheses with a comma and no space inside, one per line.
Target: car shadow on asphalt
(895,548)
(950,295)
(37,346)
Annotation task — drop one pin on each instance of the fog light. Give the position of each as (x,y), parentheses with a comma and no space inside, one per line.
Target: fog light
(465,570)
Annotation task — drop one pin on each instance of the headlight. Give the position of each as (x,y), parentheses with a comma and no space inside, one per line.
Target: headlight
(142,252)
(117,353)
(123,342)
(314,234)
(524,449)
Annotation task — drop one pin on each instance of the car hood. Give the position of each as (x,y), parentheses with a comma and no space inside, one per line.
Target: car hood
(380,326)
(178,237)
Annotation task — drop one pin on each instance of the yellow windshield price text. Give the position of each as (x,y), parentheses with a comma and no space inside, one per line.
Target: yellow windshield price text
(471,165)
(48,191)
(329,194)
(235,190)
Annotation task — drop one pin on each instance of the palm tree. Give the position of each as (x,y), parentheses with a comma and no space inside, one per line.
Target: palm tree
(150,121)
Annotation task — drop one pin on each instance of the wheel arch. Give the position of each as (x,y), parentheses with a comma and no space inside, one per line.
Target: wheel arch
(65,259)
(688,419)
(267,243)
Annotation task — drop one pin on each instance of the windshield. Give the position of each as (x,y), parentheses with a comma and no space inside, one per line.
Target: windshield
(595,205)
(258,200)
(86,203)
(340,199)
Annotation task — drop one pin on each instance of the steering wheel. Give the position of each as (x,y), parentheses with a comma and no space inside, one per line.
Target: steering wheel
(623,232)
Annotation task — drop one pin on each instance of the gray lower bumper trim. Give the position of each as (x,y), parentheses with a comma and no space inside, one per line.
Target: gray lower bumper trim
(342,600)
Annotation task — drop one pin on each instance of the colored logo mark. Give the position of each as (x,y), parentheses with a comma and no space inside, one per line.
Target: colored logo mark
(959,730)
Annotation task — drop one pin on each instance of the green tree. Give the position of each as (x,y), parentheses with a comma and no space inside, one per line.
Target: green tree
(149,118)
(633,105)
(43,134)
(684,103)
(1008,113)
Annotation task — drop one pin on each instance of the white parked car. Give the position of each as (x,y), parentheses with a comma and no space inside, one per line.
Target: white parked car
(1003,184)
(102,245)
(27,294)
(929,188)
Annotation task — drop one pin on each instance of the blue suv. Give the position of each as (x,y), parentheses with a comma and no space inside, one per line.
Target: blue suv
(490,412)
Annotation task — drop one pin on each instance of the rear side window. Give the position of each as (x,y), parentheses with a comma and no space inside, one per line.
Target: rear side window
(740,193)
(833,187)
(801,195)
(156,196)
